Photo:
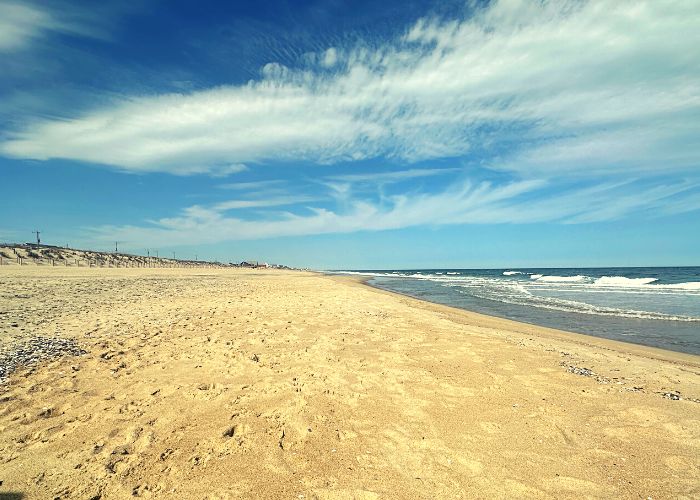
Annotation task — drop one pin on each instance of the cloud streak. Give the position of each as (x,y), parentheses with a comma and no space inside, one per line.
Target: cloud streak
(264,202)
(22,23)
(461,203)
(252,185)
(552,87)
(392,177)
(573,109)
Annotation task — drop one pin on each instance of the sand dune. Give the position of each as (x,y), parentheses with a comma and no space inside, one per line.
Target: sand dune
(52,256)
(274,384)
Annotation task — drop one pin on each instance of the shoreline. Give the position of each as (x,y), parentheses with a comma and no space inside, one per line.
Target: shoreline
(280,384)
(470,316)
(583,338)
(516,331)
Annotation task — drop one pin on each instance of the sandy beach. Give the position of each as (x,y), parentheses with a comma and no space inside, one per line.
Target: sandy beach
(206,383)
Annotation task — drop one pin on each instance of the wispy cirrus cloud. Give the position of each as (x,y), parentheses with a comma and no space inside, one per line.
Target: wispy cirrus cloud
(391,177)
(226,170)
(22,23)
(262,202)
(547,87)
(197,223)
(252,185)
(575,108)
(461,203)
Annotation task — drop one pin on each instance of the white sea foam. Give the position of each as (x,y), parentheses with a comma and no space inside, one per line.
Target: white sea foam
(622,281)
(529,293)
(511,273)
(364,273)
(572,306)
(645,284)
(560,279)
(691,285)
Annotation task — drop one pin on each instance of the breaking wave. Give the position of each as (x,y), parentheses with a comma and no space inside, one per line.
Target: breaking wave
(560,279)
(572,306)
(622,281)
(637,298)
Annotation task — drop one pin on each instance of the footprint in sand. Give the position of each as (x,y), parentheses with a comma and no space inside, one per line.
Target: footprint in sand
(345,435)
(235,439)
(677,463)
(474,467)
(490,427)
(294,433)
(130,452)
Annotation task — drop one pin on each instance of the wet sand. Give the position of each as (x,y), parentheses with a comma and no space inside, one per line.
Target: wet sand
(203,383)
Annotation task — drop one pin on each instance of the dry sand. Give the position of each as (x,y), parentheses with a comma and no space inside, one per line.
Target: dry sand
(227,383)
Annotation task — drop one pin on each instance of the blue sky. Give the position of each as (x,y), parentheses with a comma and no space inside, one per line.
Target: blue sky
(356,135)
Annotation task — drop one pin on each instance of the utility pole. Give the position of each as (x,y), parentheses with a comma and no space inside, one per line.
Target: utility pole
(116,247)
(173,255)
(37,232)
(148,257)
(195,257)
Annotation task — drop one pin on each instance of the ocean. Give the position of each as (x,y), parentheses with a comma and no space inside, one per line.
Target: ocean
(652,306)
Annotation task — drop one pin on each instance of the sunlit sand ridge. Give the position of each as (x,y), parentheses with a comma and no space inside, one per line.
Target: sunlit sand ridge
(230,383)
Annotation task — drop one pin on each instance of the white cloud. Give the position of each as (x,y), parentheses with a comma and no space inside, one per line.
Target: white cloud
(210,225)
(254,185)
(264,202)
(463,203)
(23,23)
(554,94)
(19,24)
(227,170)
(391,177)
(551,87)
(330,58)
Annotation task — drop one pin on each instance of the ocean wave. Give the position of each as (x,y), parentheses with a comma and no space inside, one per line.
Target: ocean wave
(623,281)
(511,273)
(572,306)
(536,292)
(644,284)
(365,273)
(690,285)
(560,279)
